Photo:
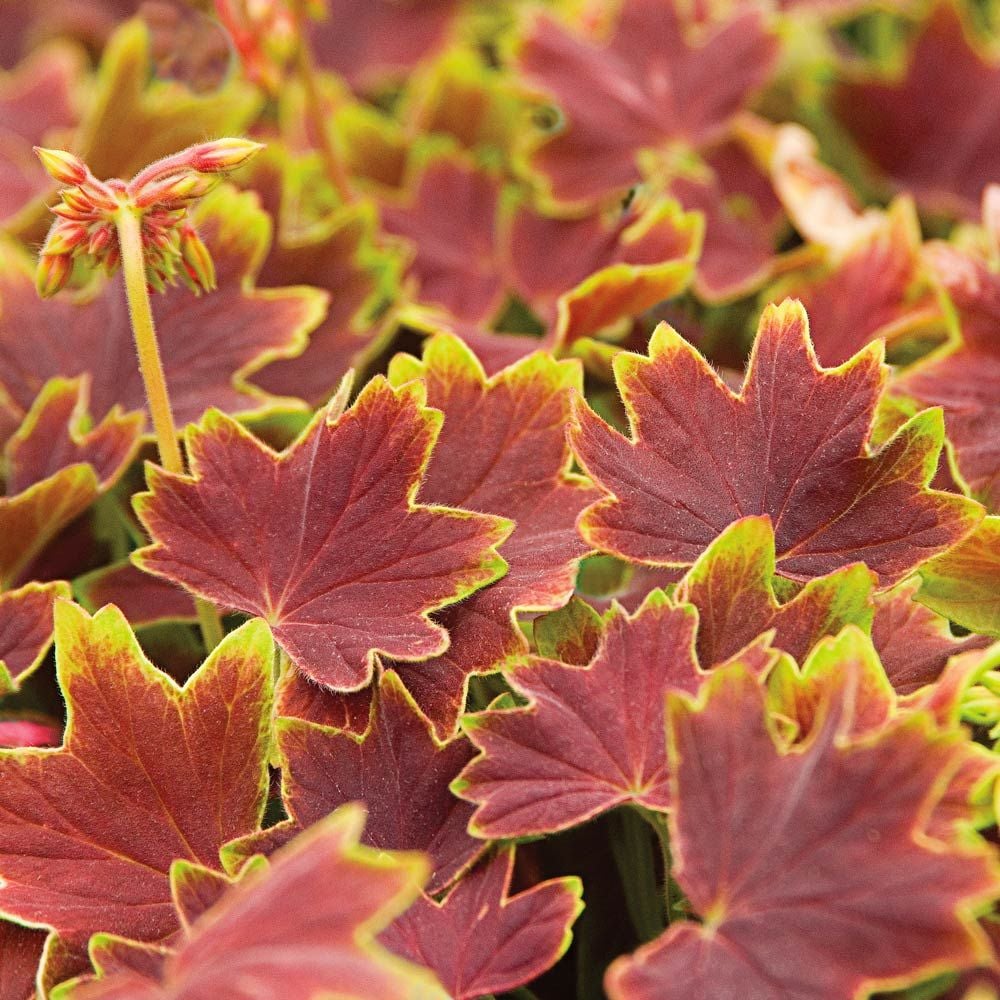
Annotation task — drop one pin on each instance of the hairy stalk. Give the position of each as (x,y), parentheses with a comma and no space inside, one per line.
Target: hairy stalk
(671,892)
(305,64)
(141,314)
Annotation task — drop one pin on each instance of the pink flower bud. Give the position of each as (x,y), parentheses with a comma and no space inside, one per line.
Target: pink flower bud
(197,261)
(62,166)
(65,237)
(221,155)
(179,190)
(100,240)
(53,272)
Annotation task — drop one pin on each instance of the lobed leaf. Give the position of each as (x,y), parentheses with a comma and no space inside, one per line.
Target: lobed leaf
(479,939)
(793,445)
(397,768)
(807,865)
(274,935)
(324,540)
(640,86)
(590,738)
(147,773)
(502,449)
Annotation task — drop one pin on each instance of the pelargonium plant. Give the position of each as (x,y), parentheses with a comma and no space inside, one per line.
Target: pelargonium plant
(502,500)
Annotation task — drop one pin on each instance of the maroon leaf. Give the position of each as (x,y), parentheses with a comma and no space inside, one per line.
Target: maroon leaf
(56,434)
(647,86)
(807,865)
(743,220)
(913,642)
(963,377)
(448,217)
(33,518)
(26,630)
(148,773)
(274,935)
(366,40)
(793,445)
(582,276)
(20,954)
(39,103)
(931,129)
(341,256)
(732,587)
(876,290)
(143,599)
(397,768)
(590,738)
(502,449)
(479,939)
(324,540)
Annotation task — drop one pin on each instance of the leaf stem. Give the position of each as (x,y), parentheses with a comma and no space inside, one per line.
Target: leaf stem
(671,894)
(155,382)
(305,64)
(634,854)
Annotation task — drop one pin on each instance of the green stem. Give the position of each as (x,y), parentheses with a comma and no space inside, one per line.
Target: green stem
(634,852)
(155,382)
(671,893)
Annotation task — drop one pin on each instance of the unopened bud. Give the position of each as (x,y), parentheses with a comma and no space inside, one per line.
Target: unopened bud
(100,240)
(52,273)
(101,196)
(174,191)
(64,237)
(76,199)
(197,261)
(62,166)
(221,155)
(66,211)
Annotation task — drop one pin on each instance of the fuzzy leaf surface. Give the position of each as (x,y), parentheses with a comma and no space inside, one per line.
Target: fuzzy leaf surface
(821,849)
(20,953)
(323,540)
(793,445)
(480,939)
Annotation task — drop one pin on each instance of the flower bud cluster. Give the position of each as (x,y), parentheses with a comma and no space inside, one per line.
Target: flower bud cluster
(160,196)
